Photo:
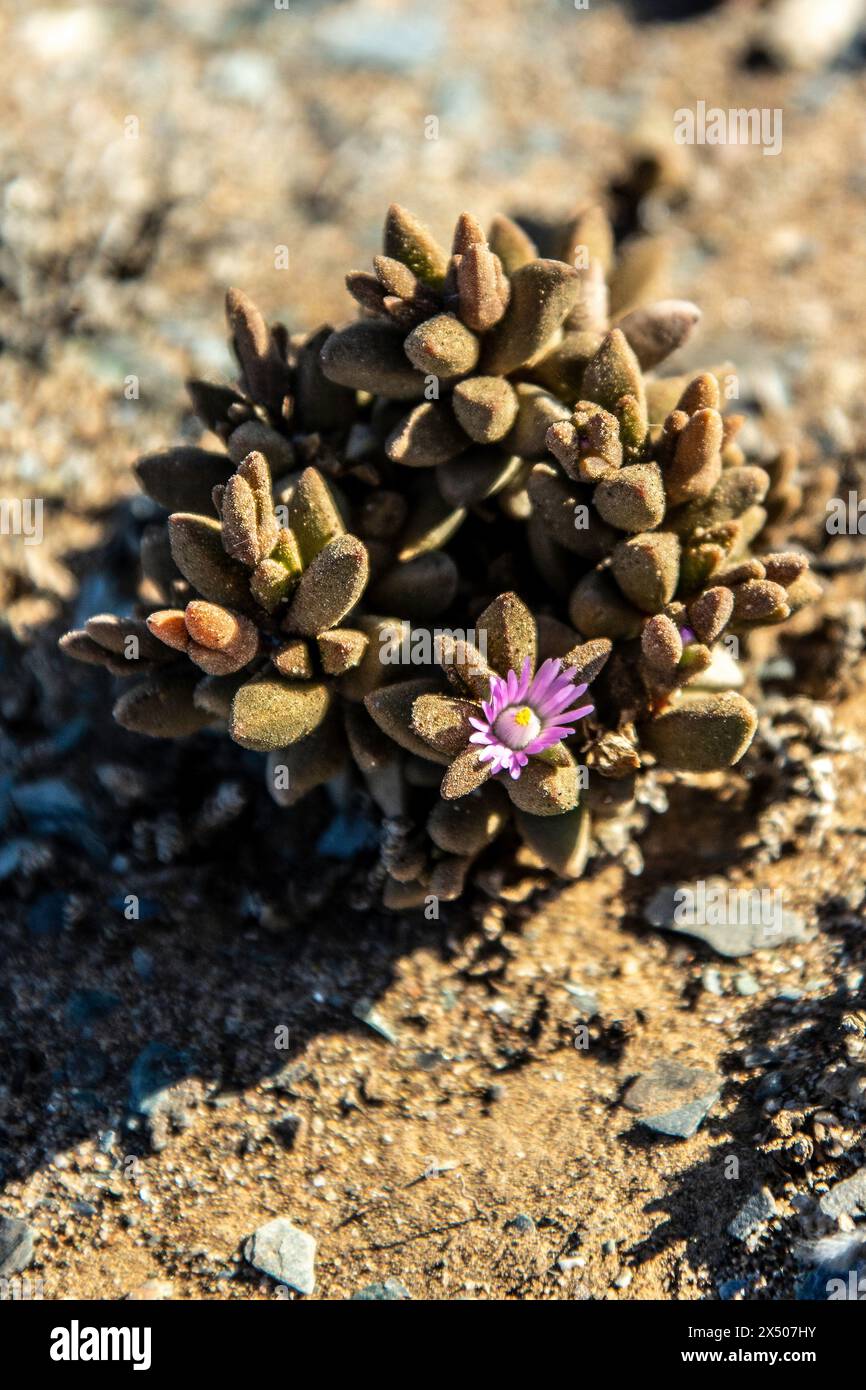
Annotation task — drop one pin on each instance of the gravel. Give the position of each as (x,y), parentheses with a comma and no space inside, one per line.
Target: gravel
(672,1098)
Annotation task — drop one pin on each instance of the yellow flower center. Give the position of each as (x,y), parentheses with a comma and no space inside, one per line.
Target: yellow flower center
(523,716)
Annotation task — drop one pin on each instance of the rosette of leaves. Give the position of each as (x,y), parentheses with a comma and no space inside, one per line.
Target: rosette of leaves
(660,522)
(479,351)
(431,719)
(260,634)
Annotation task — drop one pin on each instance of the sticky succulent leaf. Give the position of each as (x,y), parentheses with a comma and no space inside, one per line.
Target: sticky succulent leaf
(465,666)
(293,660)
(214,694)
(476,475)
(182,479)
(537,410)
(760,601)
(614,372)
(589,235)
(330,587)
(295,771)
(197,550)
(80,647)
(701,393)
(395,277)
(587,659)
(588,446)
(443,722)
(427,436)
(270,712)
(647,569)
(408,240)
(169,627)
(661,644)
(482,292)
(341,649)
(545,788)
(562,365)
(632,500)
(421,587)
(253,436)
(485,407)
(696,466)
(432,524)
(214,404)
(443,347)
(737,490)
(654,331)
(448,877)
(129,638)
(238,512)
(510,634)
(314,518)
(598,609)
(542,293)
(465,774)
(561,842)
(702,733)
(710,612)
(468,825)
(510,243)
(368,356)
(161,707)
(391,708)
(266,376)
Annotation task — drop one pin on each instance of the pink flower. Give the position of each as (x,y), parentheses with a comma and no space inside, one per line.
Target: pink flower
(526,714)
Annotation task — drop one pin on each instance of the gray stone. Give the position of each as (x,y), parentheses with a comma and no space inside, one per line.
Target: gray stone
(746,984)
(287,1128)
(846,1198)
(726,938)
(390,1291)
(586,1000)
(672,1098)
(752,1214)
(283,1252)
(521,1222)
(16,1245)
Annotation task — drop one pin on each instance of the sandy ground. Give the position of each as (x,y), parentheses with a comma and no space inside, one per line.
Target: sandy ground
(150,155)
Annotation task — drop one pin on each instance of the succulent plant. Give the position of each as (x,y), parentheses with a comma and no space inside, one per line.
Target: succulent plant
(487,446)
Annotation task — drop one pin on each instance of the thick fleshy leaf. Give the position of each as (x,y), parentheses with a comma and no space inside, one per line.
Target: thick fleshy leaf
(270,712)
(485,407)
(183,479)
(391,708)
(509,634)
(470,824)
(542,293)
(443,722)
(162,707)
(545,788)
(408,240)
(561,842)
(368,356)
(197,550)
(314,518)
(443,347)
(330,587)
(654,331)
(702,733)
(294,771)
(427,436)
(647,568)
